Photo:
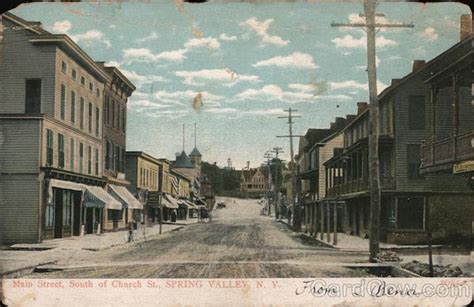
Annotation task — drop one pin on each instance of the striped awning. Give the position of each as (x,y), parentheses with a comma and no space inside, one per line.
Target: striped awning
(169,201)
(97,197)
(123,195)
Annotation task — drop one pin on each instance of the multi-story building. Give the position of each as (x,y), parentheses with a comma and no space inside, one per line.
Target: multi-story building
(254,180)
(325,144)
(51,95)
(114,121)
(143,172)
(414,204)
(449,146)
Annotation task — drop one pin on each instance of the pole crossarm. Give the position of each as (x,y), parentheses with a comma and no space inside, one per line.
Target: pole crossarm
(377,25)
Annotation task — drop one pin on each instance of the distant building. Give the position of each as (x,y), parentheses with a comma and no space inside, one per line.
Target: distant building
(254,180)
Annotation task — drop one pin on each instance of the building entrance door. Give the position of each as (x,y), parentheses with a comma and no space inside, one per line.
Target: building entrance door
(58,213)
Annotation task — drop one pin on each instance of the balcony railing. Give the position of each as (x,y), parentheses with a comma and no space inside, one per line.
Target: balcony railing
(448,150)
(359,185)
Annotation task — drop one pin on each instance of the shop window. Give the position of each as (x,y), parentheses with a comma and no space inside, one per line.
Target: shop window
(410,212)
(49,214)
(114,215)
(67,207)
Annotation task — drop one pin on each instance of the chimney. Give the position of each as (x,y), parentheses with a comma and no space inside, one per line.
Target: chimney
(361,106)
(339,124)
(466,26)
(418,64)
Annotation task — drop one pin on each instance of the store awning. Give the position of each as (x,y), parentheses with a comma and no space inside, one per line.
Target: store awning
(201,201)
(191,204)
(96,197)
(125,197)
(169,201)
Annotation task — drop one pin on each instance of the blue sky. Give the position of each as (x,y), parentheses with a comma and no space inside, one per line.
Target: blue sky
(232,68)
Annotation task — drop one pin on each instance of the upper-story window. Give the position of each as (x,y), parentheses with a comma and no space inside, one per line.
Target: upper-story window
(97,121)
(63,67)
(413,161)
(60,150)
(81,158)
(74,74)
(113,113)
(33,96)
(81,114)
(83,80)
(416,112)
(97,92)
(124,119)
(91,87)
(90,117)
(97,161)
(72,155)
(49,147)
(73,106)
(89,160)
(106,110)
(63,101)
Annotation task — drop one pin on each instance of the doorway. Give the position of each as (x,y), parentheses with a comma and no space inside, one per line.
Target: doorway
(58,213)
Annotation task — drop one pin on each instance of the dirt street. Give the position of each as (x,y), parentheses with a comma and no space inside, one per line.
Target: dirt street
(237,243)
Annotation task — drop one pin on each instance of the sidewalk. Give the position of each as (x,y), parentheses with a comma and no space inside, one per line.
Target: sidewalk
(355,243)
(21,259)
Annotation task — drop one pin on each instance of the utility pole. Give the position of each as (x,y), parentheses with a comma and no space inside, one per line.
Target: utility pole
(277,150)
(268,155)
(374,173)
(290,118)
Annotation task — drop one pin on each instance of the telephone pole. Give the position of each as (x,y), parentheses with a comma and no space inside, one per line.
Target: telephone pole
(374,173)
(277,150)
(268,155)
(290,118)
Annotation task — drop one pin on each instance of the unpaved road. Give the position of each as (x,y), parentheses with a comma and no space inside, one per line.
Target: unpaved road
(238,243)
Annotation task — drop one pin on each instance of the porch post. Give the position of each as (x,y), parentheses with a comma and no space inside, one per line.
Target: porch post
(335,224)
(328,228)
(321,206)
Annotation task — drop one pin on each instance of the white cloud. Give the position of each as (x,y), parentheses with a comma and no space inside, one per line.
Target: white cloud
(301,87)
(62,26)
(208,42)
(348,41)
(113,63)
(295,60)
(140,80)
(357,19)
(261,29)
(227,38)
(354,85)
(145,55)
(273,92)
(226,76)
(429,34)
(91,36)
(152,36)
(221,110)
(246,112)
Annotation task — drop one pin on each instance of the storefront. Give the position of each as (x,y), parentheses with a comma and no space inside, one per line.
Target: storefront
(170,207)
(132,208)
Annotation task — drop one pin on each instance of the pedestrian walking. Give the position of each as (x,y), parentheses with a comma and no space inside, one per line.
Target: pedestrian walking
(130,232)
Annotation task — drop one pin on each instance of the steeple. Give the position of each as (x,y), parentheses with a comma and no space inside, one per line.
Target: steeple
(195,152)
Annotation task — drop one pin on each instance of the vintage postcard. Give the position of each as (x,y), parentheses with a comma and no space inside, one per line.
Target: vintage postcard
(240,153)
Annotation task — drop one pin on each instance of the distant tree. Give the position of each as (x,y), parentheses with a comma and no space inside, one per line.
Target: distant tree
(222,179)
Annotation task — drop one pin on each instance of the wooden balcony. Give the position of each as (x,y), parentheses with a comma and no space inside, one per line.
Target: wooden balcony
(359,185)
(442,154)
